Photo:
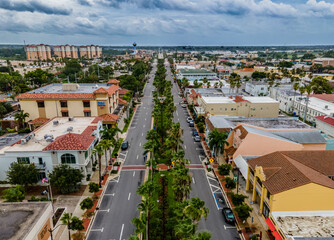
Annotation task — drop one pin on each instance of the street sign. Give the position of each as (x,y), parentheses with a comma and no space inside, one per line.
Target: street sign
(173,163)
(235,179)
(211,160)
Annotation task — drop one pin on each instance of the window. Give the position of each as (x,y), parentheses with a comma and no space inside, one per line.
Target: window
(86,104)
(87,114)
(40,161)
(24,160)
(86,154)
(40,104)
(68,158)
(63,104)
(64,114)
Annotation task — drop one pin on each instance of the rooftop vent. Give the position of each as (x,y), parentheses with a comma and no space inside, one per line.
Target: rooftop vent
(326,106)
(49,139)
(71,119)
(70,129)
(55,123)
(70,86)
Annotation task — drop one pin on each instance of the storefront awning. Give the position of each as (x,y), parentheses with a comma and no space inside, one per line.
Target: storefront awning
(277,235)
(270,225)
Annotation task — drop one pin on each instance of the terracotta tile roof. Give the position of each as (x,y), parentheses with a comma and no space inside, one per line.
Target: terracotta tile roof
(3,100)
(70,141)
(122,101)
(326,97)
(55,96)
(101,90)
(88,131)
(243,131)
(291,169)
(238,99)
(113,81)
(326,119)
(247,70)
(112,89)
(39,120)
(97,119)
(230,150)
(123,91)
(109,117)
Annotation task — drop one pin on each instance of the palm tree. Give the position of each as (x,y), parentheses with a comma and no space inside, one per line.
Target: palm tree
(196,210)
(308,89)
(184,229)
(295,88)
(140,224)
(181,182)
(217,141)
(99,150)
(20,117)
(106,145)
(204,236)
(174,139)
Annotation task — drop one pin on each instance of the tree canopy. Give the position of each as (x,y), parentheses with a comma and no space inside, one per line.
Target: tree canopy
(23,174)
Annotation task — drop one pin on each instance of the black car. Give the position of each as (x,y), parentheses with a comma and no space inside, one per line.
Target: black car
(228,215)
(125,145)
(191,124)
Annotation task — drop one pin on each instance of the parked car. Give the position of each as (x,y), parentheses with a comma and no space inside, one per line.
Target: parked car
(189,119)
(125,145)
(195,133)
(184,105)
(191,124)
(228,215)
(197,138)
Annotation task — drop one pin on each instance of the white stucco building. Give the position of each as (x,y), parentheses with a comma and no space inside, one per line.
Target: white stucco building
(257,88)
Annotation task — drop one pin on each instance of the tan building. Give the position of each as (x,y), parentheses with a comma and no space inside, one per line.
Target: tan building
(38,52)
(239,106)
(70,100)
(65,51)
(91,51)
(324,61)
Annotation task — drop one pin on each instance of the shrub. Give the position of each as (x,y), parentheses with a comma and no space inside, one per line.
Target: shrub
(88,177)
(11,130)
(230,184)
(24,130)
(87,203)
(15,194)
(93,187)
(224,169)
(243,211)
(201,127)
(238,199)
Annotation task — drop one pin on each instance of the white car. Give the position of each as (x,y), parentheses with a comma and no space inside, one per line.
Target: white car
(184,105)
(189,119)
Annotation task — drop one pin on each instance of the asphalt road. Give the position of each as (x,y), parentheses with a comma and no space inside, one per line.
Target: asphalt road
(119,203)
(203,186)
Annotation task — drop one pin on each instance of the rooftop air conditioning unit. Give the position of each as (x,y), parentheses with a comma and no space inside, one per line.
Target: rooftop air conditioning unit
(71,119)
(70,129)
(326,106)
(55,123)
(49,139)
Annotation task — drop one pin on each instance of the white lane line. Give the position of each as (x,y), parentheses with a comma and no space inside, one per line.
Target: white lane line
(211,178)
(225,227)
(139,144)
(109,194)
(193,180)
(137,156)
(144,126)
(129,196)
(199,148)
(95,230)
(142,134)
(120,236)
(134,173)
(145,119)
(185,147)
(107,210)
(177,113)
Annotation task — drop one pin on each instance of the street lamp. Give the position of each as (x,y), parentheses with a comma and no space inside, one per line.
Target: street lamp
(236,177)
(52,230)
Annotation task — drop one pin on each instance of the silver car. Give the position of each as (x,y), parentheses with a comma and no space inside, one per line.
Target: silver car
(197,138)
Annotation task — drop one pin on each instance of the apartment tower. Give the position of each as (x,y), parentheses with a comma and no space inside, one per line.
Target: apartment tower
(38,52)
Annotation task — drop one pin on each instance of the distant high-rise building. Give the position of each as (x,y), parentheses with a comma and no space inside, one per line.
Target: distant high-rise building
(65,51)
(90,51)
(38,52)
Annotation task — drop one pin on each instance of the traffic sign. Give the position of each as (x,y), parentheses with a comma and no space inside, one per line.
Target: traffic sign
(211,160)
(235,179)
(173,163)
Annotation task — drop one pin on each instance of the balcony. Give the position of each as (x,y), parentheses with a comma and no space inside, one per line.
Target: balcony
(258,188)
(251,177)
(40,166)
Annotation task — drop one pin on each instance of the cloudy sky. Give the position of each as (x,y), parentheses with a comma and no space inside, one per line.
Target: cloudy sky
(167,22)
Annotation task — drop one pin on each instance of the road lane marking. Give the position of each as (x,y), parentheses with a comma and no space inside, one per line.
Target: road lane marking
(120,236)
(177,113)
(134,173)
(193,180)
(97,230)
(107,210)
(199,148)
(129,196)
(185,147)
(144,126)
(142,134)
(109,194)
(225,227)
(137,156)
(145,119)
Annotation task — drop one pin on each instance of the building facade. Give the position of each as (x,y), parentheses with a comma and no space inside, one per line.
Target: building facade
(91,51)
(70,100)
(65,51)
(257,88)
(38,52)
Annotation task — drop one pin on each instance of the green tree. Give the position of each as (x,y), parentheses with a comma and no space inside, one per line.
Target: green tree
(66,179)
(20,117)
(14,194)
(224,169)
(237,199)
(72,222)
(93,187)
(217,141)
(39,77)
(243,211)
(230,184)
(258,75)
(321,85)
(196,210)
(87,203)
(203,236)
(99,150)
(23,174)
(72,66)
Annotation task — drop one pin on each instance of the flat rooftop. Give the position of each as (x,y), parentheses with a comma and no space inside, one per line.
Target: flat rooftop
(229,100)
(317,224)
(320,105)
(17,219)
(196,71)
(58,88)
(38,142)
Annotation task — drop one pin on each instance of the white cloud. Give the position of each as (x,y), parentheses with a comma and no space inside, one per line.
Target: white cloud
(320,9)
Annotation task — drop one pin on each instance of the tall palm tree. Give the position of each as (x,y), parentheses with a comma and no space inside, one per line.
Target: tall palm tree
(106,145)
(217,141)
(196,210)
(295,88)
(66,220)
(181,182)
(99,150)
(20,117)
(308,89)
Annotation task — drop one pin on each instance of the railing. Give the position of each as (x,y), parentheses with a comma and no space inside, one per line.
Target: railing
(40,166)
(258,187)
(251,177)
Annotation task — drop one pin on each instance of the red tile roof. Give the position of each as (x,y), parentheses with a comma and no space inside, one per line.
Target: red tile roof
(3,100)
(101,90)
(112,89)
(39,120)
(70,141)
(247,70)
(97,119)
(326,97)
(113,81)
(239,99)
(326,119)
(88,131)
(109,117)
(55,96)
(122,101)
(123,91)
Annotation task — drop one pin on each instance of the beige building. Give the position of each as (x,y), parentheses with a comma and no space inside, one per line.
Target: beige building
(38,52)
(65,51)
(239,106)
(70,100)
(324,61)
(91,51)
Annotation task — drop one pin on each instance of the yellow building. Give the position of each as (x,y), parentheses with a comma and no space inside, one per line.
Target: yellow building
(65,51)
(38,52)
(291,181)
(71,100)
(240,106)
